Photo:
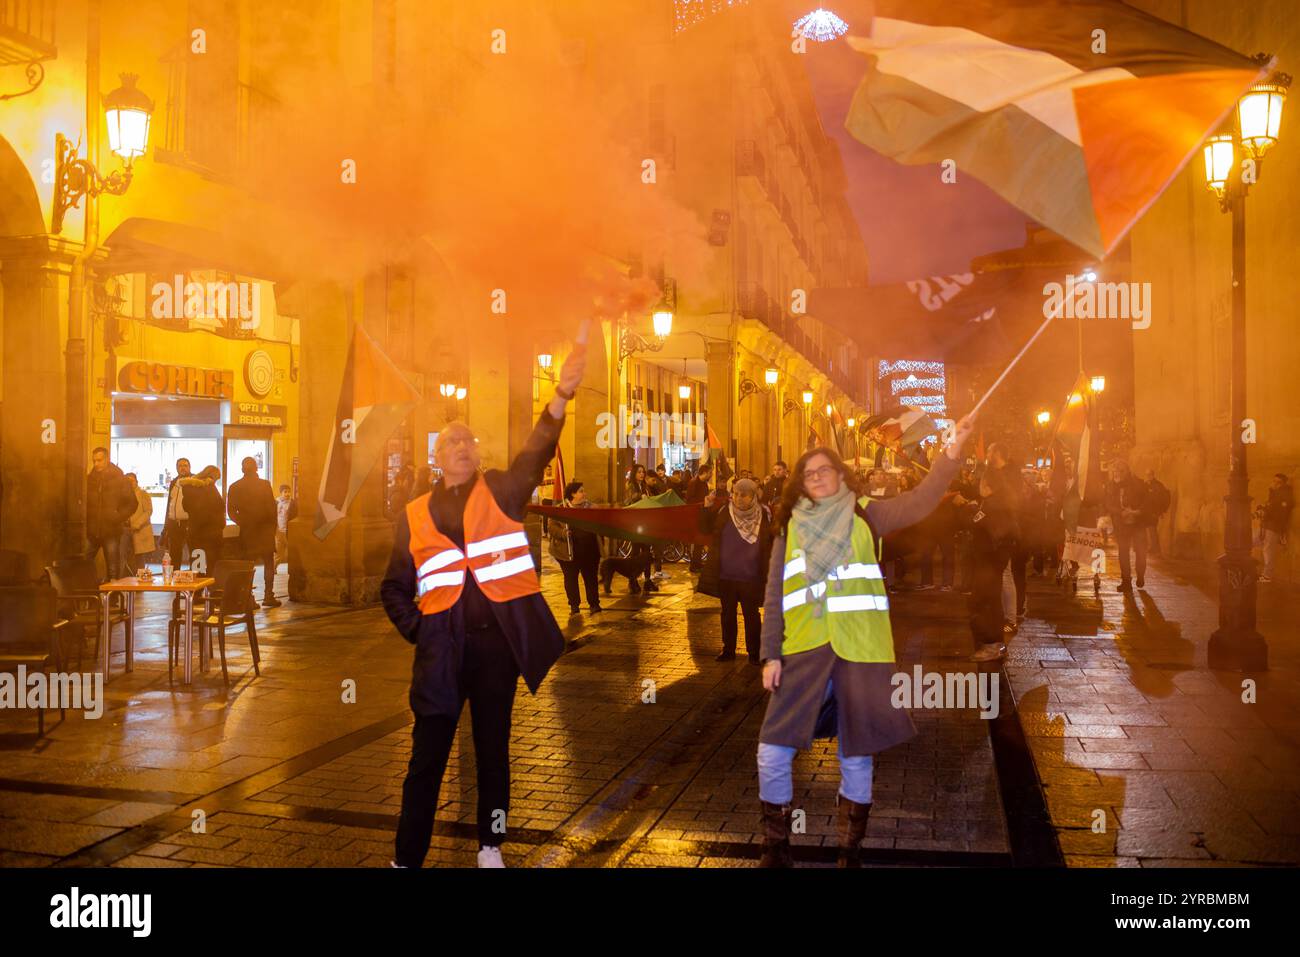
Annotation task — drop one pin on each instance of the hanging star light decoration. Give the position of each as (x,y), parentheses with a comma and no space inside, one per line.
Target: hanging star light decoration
(821,25)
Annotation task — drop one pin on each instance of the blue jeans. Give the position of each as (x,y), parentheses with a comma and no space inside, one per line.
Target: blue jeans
(776,781)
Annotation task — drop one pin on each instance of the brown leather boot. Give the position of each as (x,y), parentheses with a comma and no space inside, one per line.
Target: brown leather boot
(852,828)
(776,836)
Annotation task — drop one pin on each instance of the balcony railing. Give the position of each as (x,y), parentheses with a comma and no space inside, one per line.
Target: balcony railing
(26,31)
(749,161)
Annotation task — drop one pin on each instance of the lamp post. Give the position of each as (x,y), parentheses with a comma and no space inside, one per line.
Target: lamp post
(1232,162)
(127,112)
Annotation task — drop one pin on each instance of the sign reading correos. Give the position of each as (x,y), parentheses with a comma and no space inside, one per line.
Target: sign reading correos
(159,379)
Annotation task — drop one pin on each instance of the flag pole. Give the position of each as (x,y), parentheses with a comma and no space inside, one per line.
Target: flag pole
(1019,355)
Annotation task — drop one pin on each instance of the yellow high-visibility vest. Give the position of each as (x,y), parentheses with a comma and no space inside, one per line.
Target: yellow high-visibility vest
(849,608)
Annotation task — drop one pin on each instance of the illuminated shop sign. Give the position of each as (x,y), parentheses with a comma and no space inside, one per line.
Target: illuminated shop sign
(159,379)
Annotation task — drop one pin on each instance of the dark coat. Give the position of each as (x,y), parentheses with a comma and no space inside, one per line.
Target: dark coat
(712,521)
(1129,495)
(530,629)
(202,502)
(250,503)
(109,502)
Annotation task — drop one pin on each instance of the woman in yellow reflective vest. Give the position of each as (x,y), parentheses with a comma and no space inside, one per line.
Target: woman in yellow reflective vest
(826,632)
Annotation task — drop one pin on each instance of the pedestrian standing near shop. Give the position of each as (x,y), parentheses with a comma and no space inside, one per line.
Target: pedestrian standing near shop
(286,510)
(139,541)
(1275,523)
(109,504)
(461,587)
(1125,499)
(578,553)
(736,568)
(207,512)
(176,521)
(826,633)
(252,506)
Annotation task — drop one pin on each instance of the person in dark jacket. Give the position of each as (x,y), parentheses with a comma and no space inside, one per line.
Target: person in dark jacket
(696,489)
(176,521)
(207,512)
(995,533)
(250,502)
(578,553)
(1125,498)
(1275,522)
(476,625)
(1158,502)
(109,504)
(737,564)
(774,484)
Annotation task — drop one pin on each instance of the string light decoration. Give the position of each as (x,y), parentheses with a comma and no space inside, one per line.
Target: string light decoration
(687,13)
(930,403)
(936,384)
(821,25)
(889,367)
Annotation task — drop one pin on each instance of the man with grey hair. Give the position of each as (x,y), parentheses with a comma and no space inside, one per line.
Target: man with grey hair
(1125,497)
(461,587)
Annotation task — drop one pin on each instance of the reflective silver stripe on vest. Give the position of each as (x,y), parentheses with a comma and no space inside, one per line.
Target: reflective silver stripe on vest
(835,602)
(794,599)
(441,560)
(497,543)
(504,569)
(857,570)
(857,603)
(795,566)
(440,580)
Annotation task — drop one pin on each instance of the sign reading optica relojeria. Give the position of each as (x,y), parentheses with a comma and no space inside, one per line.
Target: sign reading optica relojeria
(259,413)
(160,379)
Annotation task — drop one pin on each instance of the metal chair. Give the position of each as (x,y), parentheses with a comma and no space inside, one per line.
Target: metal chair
(27,635)
(228,603)
(76,581)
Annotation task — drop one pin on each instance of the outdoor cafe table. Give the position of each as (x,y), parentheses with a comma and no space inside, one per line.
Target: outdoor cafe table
(130,587)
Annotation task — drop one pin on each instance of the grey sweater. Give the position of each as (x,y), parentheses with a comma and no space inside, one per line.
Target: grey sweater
(884,516)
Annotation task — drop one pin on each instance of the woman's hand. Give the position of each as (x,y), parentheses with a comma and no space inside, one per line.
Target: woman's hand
(772,674)
(961,432)
(708,499)
(571,372)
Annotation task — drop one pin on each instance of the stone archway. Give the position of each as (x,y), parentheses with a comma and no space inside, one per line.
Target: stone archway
(33,429)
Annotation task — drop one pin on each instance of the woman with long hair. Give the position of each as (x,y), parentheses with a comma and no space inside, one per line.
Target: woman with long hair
(826,633)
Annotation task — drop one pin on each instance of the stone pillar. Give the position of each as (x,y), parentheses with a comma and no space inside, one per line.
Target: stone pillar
(33,425)
(591,462)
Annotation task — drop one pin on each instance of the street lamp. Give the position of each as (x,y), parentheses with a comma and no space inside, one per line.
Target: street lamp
(770,376)
(684,392)
(447,389)
(1237,645)
(630,342)
(544,360)
(1044,417)
(128,112)
(1097,383)
(461,392)
(663,323)
(807,397)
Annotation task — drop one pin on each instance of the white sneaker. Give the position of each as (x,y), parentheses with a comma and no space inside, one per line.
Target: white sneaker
(490,857)
(989,653)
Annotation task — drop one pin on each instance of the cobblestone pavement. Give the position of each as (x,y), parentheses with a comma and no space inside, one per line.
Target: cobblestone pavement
(1120,715)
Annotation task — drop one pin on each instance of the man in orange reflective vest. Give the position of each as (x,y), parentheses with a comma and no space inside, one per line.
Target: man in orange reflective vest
(462,588)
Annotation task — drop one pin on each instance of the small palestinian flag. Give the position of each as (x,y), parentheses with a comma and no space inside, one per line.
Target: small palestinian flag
(905,424)
(722,468)
(1078,112)
(373,400)
(557,473)
(1077,433)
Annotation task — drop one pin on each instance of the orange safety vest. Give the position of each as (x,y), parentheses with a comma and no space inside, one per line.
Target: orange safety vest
(496,551)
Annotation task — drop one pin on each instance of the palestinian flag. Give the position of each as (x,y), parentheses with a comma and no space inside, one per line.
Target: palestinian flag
(1077,434)
(905,424)
(373,400)
(1078,112)
(557,474)
(658,518)
(721,467)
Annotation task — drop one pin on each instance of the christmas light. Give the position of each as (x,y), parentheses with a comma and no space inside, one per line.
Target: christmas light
(888,367)
(821,25)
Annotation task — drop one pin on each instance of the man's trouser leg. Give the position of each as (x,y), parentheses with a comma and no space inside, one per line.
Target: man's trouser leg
(751,600)
(491,676)
(431,740)
(591,580)
(728,596)
(570,570)
(1270,549)
(1139,537)
(1123,541)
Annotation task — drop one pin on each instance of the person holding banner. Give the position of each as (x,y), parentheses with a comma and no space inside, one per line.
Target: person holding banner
(826,634)
(462,588)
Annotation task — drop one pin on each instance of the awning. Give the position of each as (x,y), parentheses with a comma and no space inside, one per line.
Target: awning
(161,246)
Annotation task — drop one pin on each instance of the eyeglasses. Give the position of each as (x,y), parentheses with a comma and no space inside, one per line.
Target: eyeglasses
(818,474)
(460,439)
